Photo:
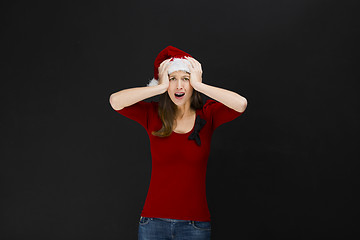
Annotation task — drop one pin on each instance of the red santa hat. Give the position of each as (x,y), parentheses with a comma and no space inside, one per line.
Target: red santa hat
(178,62)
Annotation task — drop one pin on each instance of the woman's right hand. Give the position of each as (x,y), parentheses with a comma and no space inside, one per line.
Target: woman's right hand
(130,96)
(163,74)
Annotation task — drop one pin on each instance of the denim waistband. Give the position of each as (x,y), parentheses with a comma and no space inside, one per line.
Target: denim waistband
(173,220)
(170,220)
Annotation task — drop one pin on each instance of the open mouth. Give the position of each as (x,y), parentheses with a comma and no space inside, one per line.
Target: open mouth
(179,95)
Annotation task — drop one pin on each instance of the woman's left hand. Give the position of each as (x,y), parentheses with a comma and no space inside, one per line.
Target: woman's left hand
(195,71)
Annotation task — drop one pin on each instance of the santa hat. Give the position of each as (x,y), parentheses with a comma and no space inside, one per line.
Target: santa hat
(178,62)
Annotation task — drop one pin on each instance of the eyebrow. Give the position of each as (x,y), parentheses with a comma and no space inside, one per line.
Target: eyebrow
(182,75)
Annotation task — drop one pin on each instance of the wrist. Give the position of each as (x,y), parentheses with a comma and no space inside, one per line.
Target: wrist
(196,85)
(162,88)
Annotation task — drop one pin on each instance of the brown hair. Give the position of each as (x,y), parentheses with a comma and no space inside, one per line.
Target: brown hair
(167,112)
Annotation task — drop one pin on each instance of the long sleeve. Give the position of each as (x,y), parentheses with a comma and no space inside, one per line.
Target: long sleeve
(139,112)
(219,113)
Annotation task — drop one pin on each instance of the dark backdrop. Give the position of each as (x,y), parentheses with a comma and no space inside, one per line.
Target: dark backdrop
(73,168)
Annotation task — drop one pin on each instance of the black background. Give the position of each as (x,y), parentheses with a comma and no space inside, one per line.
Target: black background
(73,168)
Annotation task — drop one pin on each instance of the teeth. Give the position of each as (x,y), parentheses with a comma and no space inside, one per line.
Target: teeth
(179,94)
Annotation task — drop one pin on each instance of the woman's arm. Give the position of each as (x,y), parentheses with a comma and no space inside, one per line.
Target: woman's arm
(226,97)
(128,97)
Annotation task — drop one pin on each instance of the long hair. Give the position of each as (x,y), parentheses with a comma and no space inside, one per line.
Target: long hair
(167,112)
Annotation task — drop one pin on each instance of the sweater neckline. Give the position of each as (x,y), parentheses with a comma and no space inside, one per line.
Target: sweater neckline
(192,129)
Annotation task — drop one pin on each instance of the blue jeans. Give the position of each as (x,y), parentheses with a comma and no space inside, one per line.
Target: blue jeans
(169,229)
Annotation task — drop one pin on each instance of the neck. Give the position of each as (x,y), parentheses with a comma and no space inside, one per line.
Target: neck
(184,110)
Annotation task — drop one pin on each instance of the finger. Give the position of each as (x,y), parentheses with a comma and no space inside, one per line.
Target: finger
(194,62)
(168,62)
(167,67)
(189,65)
(164,62)
(198,65)
(190,62)
(190,58)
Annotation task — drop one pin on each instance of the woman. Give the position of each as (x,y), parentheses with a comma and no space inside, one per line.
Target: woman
(180,129)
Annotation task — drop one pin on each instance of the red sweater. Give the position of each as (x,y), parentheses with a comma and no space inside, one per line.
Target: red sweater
(177,187)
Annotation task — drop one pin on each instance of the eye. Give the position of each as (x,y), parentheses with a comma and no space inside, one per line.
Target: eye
(172,78)
(187,79)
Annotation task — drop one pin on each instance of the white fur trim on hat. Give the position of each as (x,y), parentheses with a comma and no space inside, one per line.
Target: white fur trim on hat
(153,82)
(179,64)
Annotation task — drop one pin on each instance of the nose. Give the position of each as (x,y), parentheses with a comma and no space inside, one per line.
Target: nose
(179,84)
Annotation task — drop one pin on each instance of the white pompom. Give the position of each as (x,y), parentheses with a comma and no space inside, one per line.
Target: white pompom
(153,82)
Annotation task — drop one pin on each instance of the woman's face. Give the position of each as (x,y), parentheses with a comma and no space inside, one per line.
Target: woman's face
(180,89)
